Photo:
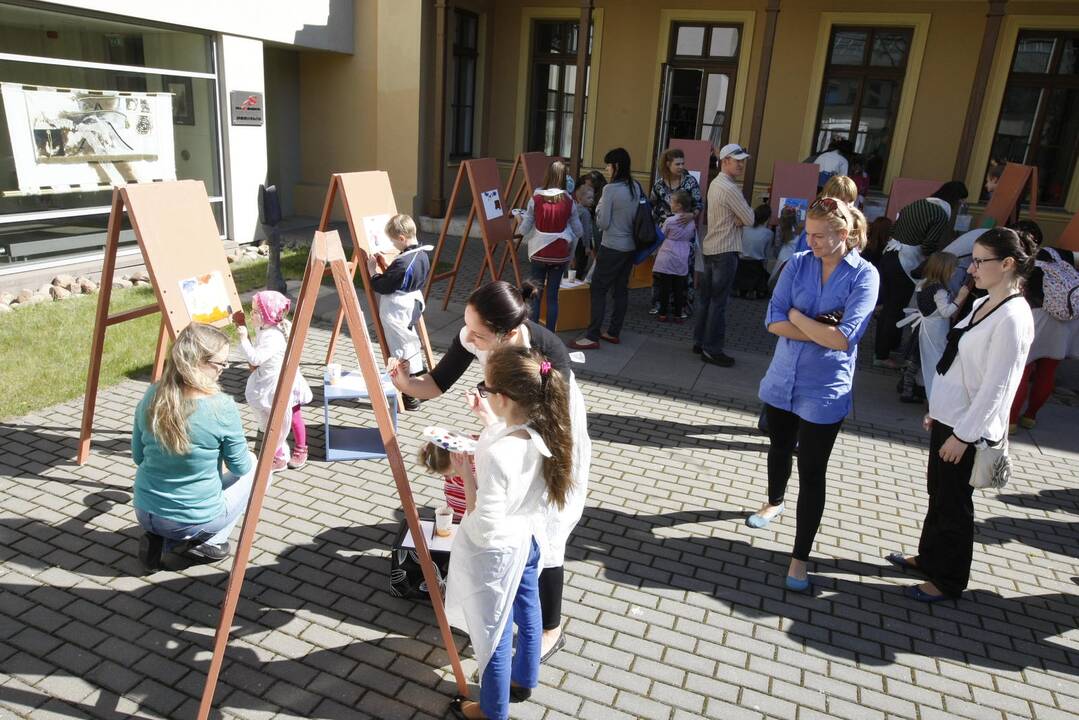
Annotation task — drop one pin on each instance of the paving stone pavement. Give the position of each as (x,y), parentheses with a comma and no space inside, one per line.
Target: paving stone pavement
(674,608)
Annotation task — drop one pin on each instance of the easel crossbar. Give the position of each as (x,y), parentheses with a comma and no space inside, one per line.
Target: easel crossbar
(126,315)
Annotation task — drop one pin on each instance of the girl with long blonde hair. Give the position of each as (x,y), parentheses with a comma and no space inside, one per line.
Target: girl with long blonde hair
(184,429)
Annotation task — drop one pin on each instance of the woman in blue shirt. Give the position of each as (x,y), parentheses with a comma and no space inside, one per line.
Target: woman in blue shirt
(185,428)
(820,308)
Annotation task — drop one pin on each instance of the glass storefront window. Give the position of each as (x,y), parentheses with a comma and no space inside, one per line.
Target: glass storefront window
(100,55)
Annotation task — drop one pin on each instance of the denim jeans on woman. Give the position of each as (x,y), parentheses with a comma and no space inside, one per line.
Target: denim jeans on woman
(235,490)
(548,277)
(717,280)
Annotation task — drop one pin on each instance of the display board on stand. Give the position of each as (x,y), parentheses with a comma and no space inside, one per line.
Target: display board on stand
(496,224)
(793,184)
(1003,207)
(181,248)
(1069,239)
(367,198)
(908,190)
(326,254)
(532,167)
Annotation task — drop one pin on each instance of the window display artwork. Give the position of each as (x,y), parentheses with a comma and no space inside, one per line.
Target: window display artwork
(68,139)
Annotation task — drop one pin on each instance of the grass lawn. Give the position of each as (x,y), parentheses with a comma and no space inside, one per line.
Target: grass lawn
(44,349)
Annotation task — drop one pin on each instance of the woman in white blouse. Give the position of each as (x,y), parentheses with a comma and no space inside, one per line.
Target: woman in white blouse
(970,399)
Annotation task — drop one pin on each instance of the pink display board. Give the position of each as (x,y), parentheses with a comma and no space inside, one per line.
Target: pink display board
(907,190)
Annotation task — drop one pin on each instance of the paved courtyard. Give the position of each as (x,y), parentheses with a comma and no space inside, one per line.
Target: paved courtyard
(675,609)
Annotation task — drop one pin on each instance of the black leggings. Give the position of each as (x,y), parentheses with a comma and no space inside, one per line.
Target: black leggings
(946,548)
(815,443)
(550,596)
(896,290)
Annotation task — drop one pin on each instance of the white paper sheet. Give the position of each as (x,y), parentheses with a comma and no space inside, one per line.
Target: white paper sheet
(374,230)
(442,544)
(492,204)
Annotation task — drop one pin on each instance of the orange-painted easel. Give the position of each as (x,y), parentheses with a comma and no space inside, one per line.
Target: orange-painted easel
(326,254)
(1003,207)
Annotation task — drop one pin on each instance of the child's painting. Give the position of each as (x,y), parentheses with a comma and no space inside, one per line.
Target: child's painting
(800,206)
(374,231)
(492,204)
(206,298)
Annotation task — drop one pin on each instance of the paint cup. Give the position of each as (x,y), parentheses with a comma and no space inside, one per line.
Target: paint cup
(333,373)
(444,521)
(571,276)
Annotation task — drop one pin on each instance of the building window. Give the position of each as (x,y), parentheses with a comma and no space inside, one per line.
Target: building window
(463,102)
(859,101)
(554,83)
(43,221)
(1039,117)
(698,83)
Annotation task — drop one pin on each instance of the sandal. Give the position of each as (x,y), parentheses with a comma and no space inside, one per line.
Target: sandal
(914,592)
(558,645)
(609,338)
(900,561)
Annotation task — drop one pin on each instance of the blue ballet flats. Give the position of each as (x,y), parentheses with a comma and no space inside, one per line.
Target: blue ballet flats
(795,585)
(758,521)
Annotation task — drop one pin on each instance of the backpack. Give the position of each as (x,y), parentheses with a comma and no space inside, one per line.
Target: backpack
(644,227)
(552,217)
(1060,287)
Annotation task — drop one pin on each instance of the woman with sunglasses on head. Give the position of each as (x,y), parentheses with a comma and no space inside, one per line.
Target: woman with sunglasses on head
(185,430)
(970,400)
(497,315)
(820,309)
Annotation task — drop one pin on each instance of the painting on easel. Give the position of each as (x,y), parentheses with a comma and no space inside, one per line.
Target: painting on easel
(206,298)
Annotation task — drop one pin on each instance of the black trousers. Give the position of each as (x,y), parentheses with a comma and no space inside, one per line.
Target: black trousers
(613,268)
(550,596)
(666,284)
(946,548)
(815,442)
(895,292)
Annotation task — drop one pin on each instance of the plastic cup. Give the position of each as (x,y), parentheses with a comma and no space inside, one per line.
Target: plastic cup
(333,373)
(571,275)
(444,521)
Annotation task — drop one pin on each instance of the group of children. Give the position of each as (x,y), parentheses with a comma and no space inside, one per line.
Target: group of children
(399,282)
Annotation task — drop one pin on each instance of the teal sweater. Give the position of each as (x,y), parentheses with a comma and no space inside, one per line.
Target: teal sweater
(187,488)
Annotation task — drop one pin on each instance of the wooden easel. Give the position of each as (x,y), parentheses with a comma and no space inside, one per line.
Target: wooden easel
(179,240)
(365,195)
(792,180)
(1069,239)
(907,190)
(482,177)
(326,251)
(1003,207)
(533,166)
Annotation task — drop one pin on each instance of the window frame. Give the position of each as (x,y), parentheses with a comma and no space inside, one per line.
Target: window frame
(561,60)
(707,64)
(459,56)
(1044,81)
(863,73)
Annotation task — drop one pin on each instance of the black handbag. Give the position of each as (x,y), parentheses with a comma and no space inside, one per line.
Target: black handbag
(406,575)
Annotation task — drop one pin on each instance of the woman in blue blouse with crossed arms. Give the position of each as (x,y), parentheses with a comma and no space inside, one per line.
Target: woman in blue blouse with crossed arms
(820,308)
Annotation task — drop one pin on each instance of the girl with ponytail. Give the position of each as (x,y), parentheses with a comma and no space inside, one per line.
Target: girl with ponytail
(524,462)
(820,309)
(184,429)
(969,403)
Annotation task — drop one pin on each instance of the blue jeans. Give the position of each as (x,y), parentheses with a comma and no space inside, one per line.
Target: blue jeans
(495,683)
(235,490)
(717,280)
(549,276)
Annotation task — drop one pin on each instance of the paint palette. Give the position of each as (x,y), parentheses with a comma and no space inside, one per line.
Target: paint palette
(449,440)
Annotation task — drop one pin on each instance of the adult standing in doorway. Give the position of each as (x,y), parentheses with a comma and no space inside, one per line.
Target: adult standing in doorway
(497,315)
(820,309)
(728,213)
(976,380)
(615,213)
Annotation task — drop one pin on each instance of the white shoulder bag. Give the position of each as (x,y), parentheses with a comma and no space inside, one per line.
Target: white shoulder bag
(992,465)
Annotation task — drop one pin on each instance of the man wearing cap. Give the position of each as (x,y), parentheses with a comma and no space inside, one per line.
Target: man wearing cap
(728,211)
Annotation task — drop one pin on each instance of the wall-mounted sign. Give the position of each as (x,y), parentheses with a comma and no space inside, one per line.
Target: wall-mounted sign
(245,108)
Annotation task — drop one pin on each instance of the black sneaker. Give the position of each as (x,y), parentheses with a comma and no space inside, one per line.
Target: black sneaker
(210,551)
(721,359)
(150,547)
(411,403)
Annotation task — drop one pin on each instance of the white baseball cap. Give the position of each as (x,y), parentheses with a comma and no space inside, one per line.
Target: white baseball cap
(733,150)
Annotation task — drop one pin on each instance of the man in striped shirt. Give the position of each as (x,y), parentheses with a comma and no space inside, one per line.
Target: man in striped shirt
(728,212)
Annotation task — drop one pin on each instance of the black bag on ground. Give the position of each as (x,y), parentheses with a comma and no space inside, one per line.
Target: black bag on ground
(406,575)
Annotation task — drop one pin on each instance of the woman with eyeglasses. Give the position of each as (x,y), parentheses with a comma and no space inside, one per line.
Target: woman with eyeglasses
(497,315)
(970,400)
(194,472)
(820,309)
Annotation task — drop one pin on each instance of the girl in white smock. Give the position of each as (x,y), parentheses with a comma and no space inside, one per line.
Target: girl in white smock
(523,462)
(266,356)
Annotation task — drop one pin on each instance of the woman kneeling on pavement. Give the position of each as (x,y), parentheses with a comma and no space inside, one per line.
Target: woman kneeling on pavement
(820,309)
(184,429)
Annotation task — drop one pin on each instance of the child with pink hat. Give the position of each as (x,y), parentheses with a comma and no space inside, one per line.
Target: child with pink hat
(266,356)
